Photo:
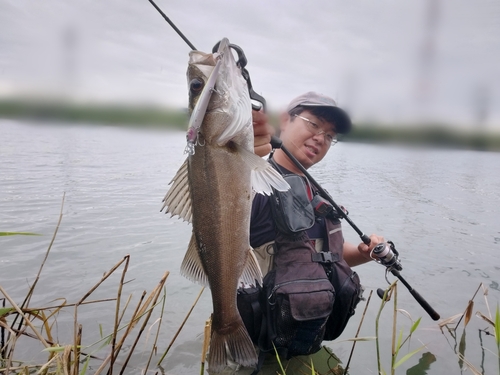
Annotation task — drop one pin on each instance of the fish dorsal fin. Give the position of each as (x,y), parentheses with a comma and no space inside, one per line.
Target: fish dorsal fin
(191,267)
(178,198)
(252,273)
(264,176)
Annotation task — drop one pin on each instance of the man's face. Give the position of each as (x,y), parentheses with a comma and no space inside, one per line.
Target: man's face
(300,138)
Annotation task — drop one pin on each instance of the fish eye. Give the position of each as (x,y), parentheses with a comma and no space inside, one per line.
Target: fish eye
(196,85)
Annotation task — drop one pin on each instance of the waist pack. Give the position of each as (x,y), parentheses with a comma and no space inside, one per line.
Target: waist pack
(249,306)
(348,291)
(298,300)
(301,302)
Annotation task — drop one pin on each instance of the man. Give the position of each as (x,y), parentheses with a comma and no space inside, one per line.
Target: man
(309,129)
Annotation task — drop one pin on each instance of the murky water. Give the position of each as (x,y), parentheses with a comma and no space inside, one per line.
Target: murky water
(440,207)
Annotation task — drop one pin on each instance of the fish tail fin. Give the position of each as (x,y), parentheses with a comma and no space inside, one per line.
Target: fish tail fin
(235,346)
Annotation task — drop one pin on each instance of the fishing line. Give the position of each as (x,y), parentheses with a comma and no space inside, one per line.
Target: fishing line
(241,62)
(173,25)
(277,143)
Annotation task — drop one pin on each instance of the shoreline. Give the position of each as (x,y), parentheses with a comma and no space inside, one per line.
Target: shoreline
(150,116)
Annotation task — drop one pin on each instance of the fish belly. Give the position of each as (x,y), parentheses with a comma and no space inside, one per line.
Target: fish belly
(220,186)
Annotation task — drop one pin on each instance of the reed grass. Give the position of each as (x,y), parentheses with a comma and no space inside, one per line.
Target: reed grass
(357,332)
(65,358)
(75,357)
(20,322)
(448,327)
(497,334)
(182,325)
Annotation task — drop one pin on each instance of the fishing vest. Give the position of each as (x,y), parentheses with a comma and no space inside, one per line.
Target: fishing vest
(309,294)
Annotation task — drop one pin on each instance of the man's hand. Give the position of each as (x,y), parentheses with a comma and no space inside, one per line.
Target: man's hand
(262,133)
(365,249)
(356,255)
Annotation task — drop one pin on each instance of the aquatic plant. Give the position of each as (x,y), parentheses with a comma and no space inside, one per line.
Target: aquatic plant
(460,347)
(497,334)
(20,321)
(65,358)
(391,293)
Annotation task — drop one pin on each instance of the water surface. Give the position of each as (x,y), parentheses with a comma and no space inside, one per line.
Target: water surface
(440,207)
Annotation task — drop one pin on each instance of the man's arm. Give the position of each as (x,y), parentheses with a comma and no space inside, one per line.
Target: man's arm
(354,256)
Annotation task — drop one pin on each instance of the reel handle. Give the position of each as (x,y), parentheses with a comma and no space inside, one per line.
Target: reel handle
(366,240)
(276,142)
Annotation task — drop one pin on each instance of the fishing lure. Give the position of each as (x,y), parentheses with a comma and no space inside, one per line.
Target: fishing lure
(201,108)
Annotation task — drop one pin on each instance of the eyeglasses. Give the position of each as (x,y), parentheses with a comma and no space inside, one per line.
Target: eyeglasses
(330,139)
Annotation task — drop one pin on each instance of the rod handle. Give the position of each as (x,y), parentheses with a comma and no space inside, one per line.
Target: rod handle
(432,313)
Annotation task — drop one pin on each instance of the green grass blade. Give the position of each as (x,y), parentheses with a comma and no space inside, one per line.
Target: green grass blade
(400,340)
(279,360)
(19,234)
(58,349)
(415,325)
(355,339)
(497,334)
(5,310)
(462,345)
(497,327)
(407,357)
(85,365)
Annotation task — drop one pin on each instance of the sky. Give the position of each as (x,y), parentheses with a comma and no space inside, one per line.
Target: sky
(383,60)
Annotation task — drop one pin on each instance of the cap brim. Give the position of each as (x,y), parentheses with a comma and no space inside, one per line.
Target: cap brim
(343,122)
(312,99)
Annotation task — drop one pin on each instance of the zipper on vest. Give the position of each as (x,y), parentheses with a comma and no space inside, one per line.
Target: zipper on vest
(276,287)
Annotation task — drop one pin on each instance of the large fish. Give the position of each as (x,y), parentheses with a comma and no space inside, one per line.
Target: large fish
(213,189)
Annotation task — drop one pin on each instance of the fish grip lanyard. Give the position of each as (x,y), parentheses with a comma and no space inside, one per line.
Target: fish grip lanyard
(242,63)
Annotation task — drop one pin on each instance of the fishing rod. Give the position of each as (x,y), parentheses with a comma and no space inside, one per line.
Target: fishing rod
(385,254)
(241,63)
(173,25)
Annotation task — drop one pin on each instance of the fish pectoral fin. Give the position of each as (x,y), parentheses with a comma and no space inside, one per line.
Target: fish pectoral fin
(264,176)
(191,267)
(252,273)
(178,198)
